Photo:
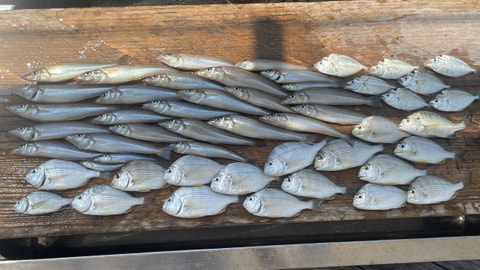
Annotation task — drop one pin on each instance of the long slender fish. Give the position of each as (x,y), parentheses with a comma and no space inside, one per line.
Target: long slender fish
(378,129)
(404,99)
(56,130)
(191,170)
(114,158)
(206,150)
(368,85)
(430,124)
(41,202)
(100,167)
(121,73)
(430,189)
(181,81)
(449,66)
(453,100)
(63,71)
(258,98)
(422,82)
(422,150)
(267,64)
(58,112)
(140,175)
(297,76)
(193,62)
(390,68)
(54,149)
(307,85)
(133,94)
(147,133)
(129,116)
(329,113)
(379,197)
(329,96)
(388,170)
(311,184)
(181,109)
(339,65)
(59,93)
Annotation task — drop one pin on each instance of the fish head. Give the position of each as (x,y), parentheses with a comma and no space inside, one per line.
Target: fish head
(239,92)
(325,160)
(174,175)
(103,158)
(36,176)
(173,205)
(323,65)
(274,118)
(404,148)
(416,194)
(296,98)
(25,133)
(21,206)
(171,60)
(192,95)
(26,149)
(83,202)
(353,84)
(157,106)
(290,87)
(363,130)
(158,78)
(253,204)
(224,122)
(434,63)
(306,109)
(105,118)
(82,141)
(369,172)
(122,129)
(41,75)
(378,69)
(247,65)
(274,166)
(412,124)
(180,147)
(363,199)
(390,96)
(439,101)
(291,184)
(22,109)
(272,74)
(214,73)
(27,91)
(121,180)
(92,76)
(408,80)
(109,96)
(87,164)
(221,182)
(174,125)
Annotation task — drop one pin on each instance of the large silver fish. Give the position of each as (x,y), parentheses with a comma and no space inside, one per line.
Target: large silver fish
(404,99)
(181,81)
(430,124)
(59,93)
(140,175)
(115,158)
(258,98)
(41,202)
(422,150)
(368,85)
(54,149)
(206,150)
(339,65)
(133,94)
(388,170)
(378,129)
(449,66)
(297,76)
(129,116)
(329,113)
(422,82)
(267,64)
(452,100)
(181,109)
(63,71)
(307,85)
(311,184)
(390,68)
(430,189)
(121,73)
(379,197)
(191,170)
(56,130)
(147,133)
(328,96)
(193,62)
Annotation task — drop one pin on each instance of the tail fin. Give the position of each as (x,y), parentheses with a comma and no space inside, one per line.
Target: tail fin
(139,200)
(164,152)
(104,174)
(375,101)
(342,190)
(310,139)
(317,204)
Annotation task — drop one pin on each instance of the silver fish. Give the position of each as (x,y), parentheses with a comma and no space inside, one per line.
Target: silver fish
(147,133)
(191,170)
(41,202)
(275,203)
(206,150)
(422,150)
(54,149)
(55,130)
(388,170)
(57,174)
(449,66)
(379,197)
(307,85)
(403,99)
(115,158)
(240,178)
(133,94)
(181,109)
(311,184)
(452,100)
(328,96)
(58,112)
(390,68)
(121,73)
(110,143)
(297,76)
(100,167)
(63,71)
(104,200)
(368,85)
(59,93)
(128,116)
(266,64)
(193,62)
(339,155)
(181,81)
(422,82)
(258,98)
(329,113)
(378,129)
(219,99)
(289,157)
(140,175)
(339,65)
(196,202)
(430,124)
(430,189)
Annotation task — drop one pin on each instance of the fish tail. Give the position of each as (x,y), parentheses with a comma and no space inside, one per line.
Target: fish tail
(139,200)
(459,185)
(467,121)
(258,143)
(342,190)
(376,101)
(317,204)
(164,152)
(104,174)
(310,139)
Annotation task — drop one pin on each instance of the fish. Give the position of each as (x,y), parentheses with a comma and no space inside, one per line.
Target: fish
(115,158)
(404,99)
(339,155)
(289,157)
(368,85)
(110,143)
(121,73)
(41,202)
(192,62)
(182,109)
(181,81)
(378,129)
(328,96)
(307,85)
(100,167)
(329,113)
(206,150)
(431,189)
(422,150)
(103,200)
(54,149)
(201,131)
(56,93)
(134,94)
(449,66)
(140,175)
(57,174)
(128,116)
(234,76)
(258,98)
(311,184)
(302,123)
(339,65)
(55,130)
(422,82)
(58,112)
(430,124)
(248,127)
(379,197)
(267,64)
(147,133)
(64,71)
(191,170)
(386,169)
(297,76)
(196,202)
(239,178)
(453,100)
(391,68)
(275,203)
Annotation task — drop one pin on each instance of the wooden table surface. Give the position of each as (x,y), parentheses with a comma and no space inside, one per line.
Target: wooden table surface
(300,33)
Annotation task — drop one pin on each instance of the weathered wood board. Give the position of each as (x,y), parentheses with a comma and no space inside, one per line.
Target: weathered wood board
(301,33)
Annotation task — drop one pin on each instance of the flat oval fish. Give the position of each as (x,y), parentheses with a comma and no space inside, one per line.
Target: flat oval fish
(388,170)
(431,189)
(422,82)
(379,197)
(449,66)
(140,175)
(196,202)
(404,99)
(430,124)
(390,68)
(452,100)
(378,129)
(339,65)
(422,150)
(311,184)
(41,202)
(368,85)
(191,170)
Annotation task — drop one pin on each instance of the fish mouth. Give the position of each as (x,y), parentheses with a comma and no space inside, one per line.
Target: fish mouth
(428,62)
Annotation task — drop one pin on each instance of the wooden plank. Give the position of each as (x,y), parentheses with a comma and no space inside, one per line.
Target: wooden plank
(296,32)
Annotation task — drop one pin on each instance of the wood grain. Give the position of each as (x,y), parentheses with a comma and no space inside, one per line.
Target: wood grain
(300,33)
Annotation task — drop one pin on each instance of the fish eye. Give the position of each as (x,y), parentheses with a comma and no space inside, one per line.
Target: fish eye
(155,77)
(116,176)
(387,95)
(270,163)
(435,100)
(303,106)
(34,171)
(250,198)
(359,196)
(366,167)
(288,180)
(80,197)
(401,145)
(411,191)
(88,73)
(292,96)
(407,120)
(169,171)
(320,156)
(169,199)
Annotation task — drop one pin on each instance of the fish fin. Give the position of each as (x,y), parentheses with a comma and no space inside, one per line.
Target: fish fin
(462,155)
(259,143)
(104,174)
(468,120)
(125,60)
(317,204)
(343,190)
(164,152)
(140,200)
(376,101)
(310,139)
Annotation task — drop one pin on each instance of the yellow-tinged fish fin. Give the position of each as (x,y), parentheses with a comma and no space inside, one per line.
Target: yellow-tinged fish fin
(143,190)
(197,185)
(391,183)
(330,198)
(197,216)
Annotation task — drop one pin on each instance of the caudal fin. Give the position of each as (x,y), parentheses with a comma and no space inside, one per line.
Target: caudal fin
(164,152)
(317,204)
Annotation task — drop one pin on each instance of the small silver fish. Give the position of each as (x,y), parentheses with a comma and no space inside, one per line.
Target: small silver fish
(297,76)
(147,133)
(258,98)
(328,96)
(379,197)
(121,73)
(140,175)
(339,65)
(182,109)
(240,178)
(100,167)
(274,203)
(390,68)
(196,202)
(41,202)
(206,150)
(289,157)
(128,116)
(430,124)
(388,170)
(422,150)
(54,149)
(311,184)
(104,200)
(339,155)
(307,85)
(134,94)
(63,71)
(329,113)
(422,82)
(181,81)
(449,66)
(430,189)
(452,100)
(368,85)
(193,62)
(55,130)
(59,93)
(378,129)
(114,158)
(404,99)
(267,64)
(191,170)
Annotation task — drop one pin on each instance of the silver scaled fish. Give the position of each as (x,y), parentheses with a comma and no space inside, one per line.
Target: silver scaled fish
(390,68)
(422,82)
(430,189)
(388,170)
(404,99)
(41,202)
(339,65)
(422,150)
(191,170)
(368,85)
(379,197)
(311,184)
(449,66)
(452,100)
(378,129)
(140,175)
(430,124)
